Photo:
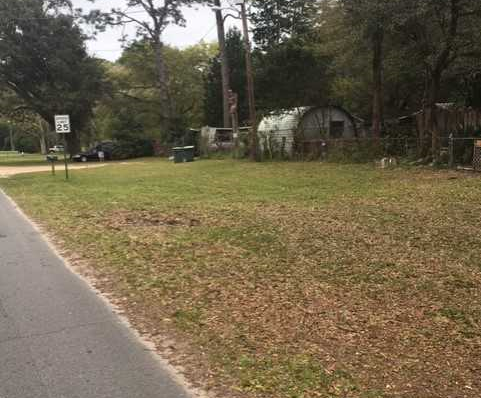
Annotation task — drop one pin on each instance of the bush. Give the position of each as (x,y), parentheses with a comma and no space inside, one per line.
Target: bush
(340,150)
(354,151)
(27,144)
(132,149)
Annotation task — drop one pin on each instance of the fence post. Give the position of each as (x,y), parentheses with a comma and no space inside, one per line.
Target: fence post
(451,151)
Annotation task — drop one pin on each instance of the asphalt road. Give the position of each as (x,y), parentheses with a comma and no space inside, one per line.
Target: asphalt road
(57,338)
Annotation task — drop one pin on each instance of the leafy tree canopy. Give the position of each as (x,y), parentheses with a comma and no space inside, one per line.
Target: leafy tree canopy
(132,110)
(276,21)
(44,62)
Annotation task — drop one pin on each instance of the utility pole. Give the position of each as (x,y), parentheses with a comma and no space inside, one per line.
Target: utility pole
(250,84)
(225,71)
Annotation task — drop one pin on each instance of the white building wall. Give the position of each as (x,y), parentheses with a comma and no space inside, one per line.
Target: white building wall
(312,123)
(316,124)
(208,133)
(280,126)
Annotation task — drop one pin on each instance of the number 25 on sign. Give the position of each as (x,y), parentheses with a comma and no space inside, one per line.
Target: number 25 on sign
(62,124)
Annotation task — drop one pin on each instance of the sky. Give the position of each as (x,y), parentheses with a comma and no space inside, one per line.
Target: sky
(201,25)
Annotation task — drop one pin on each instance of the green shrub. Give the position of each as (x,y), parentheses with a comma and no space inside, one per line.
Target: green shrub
(134,148)
(354,151)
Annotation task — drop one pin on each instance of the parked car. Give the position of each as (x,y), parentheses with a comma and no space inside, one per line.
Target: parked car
(56,149)
(93,153)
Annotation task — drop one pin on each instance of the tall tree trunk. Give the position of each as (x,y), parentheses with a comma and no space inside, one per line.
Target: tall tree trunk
(11,138)
(43,143)
(225,70)
(73,143)
(42,138)
(253,139)
(423,148)
(377,71)
(432,114)
(435,73)
(166,111)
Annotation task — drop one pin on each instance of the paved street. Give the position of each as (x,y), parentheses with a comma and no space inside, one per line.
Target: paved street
(57,338)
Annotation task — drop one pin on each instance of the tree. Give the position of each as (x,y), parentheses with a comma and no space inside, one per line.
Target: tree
(213,99)
(276,21)
(235,51)
(374,17)
(445,36)
(291,69)
(44,62)
(131,112)
(224,64)
(25,124)
(292,74)
(32,128)
(186,83)
(160,13)
(472,88)
(5,134)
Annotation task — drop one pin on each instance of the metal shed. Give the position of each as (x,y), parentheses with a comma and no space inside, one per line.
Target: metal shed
(296,127)
(218,138)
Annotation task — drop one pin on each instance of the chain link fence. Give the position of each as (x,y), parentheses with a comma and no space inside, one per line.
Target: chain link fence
(306,145)
(464,152)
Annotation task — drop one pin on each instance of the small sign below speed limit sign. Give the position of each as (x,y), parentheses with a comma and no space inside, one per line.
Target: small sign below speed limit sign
(62,124)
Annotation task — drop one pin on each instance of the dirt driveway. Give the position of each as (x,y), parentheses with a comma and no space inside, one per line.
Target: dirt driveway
(7,171)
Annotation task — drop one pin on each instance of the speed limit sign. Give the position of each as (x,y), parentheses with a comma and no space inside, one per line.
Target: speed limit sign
(62,124)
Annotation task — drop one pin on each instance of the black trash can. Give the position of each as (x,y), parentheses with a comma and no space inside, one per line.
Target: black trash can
(178,154)
(189,153)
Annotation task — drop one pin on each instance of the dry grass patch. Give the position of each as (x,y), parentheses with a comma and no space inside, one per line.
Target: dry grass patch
(120,219)
(288,280)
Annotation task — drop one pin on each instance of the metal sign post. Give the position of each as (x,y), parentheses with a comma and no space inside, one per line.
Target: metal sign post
(52,159)
(62,126)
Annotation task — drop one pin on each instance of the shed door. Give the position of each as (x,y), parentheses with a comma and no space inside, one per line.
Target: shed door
(337,129)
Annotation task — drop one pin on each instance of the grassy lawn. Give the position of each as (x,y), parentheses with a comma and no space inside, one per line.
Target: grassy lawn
(286,280)
(19,160)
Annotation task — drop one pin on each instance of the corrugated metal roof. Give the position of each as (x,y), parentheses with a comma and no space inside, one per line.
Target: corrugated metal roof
(284,121)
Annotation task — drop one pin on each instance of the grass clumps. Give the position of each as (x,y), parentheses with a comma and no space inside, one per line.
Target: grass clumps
(286,280)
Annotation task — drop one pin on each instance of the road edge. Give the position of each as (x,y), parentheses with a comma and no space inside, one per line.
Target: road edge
(174,372)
